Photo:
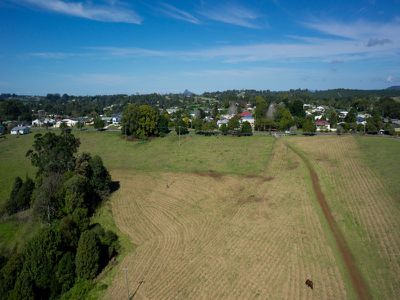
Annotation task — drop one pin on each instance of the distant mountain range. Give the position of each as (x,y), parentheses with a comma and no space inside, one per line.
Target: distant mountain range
(394,88)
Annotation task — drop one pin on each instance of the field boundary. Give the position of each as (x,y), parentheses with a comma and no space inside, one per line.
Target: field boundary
(358,284)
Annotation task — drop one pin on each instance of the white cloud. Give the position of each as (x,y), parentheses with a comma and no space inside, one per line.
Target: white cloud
(360,30)
(87,10)
(233,14)
(178,14)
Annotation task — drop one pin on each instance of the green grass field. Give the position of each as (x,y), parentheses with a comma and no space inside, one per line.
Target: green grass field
(233,155)
(383,156)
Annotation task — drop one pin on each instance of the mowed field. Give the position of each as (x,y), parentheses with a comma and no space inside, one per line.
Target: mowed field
(238,218)
(214,236)
(360,178)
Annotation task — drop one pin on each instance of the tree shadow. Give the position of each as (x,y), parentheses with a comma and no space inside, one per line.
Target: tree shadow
(114,186)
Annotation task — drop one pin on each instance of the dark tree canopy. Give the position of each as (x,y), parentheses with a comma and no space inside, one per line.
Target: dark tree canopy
(88,256)
(52,153)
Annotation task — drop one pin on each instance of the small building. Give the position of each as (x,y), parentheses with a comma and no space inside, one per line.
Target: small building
(68,122)
(247,116)
(116,119)
(20,130)
(322,125)
(43,122)
(221,122)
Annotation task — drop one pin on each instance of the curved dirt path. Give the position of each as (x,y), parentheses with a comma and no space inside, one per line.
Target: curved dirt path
(358,283)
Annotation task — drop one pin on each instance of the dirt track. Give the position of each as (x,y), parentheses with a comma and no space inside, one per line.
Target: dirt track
(358,283)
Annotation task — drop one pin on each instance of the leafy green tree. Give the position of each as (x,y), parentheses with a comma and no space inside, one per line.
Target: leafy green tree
(351,116)
(148,122)
(11,205)
(75,191)
(88,256)
(332,116)
(246,128)
(65,272)
(100,179)
(9,274)
(53,153)
(371,127)
(209,126)
(197,124)
(284,118)
(296,109)
(23,288)
(70,232)
(389,129)
(224,129)
(140,121)
(234,123)
(48,199)
(162,126)
(181,128)
(98,123)
(261,108)
(41,254)
(309,126)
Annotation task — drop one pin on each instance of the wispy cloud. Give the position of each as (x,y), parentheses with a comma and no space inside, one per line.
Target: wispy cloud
(233,14)
(110,12)
(360,30)
(378,42)
(353,47)
(176,13)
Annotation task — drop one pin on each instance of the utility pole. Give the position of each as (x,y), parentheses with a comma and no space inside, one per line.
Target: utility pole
(126,281)
(179,136)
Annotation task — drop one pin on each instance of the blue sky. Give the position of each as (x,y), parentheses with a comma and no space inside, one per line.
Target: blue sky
(119,46)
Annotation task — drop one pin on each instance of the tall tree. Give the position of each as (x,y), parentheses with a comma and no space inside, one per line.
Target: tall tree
(261,108)
(53,153)
(88,256)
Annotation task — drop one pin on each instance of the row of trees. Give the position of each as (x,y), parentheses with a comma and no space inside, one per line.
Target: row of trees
(68,250)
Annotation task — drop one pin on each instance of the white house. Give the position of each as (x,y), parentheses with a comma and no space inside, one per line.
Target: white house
(116,120)
(220,122)
(68,122)
(38,122)
(20,130)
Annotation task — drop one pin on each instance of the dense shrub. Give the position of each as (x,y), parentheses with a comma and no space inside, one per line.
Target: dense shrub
(88,255)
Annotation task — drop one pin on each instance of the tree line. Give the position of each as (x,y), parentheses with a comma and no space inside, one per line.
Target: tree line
(67,252)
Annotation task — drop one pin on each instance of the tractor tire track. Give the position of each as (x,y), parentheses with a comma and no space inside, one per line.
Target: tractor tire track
(358,283)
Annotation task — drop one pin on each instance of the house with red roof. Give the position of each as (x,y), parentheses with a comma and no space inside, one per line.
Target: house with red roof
(247,116)
(323,125)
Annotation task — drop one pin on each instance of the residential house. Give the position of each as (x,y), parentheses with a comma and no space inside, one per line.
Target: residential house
(43,122)
(322,125)
(116,119)
(223,121)
(20,130)
(247,116)
(68,122)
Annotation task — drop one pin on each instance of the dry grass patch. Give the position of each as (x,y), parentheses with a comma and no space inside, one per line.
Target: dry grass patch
(366,213)
(195,241)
